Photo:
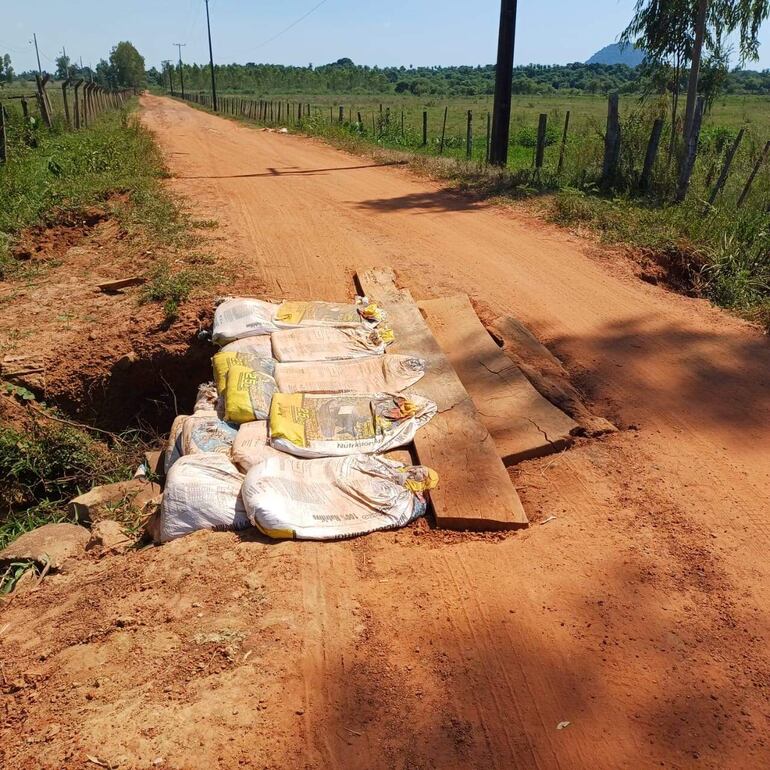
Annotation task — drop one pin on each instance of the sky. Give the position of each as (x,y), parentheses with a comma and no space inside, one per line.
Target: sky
(399,32)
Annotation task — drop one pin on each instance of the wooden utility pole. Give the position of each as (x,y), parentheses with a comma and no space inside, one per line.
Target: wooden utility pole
(37,53)
(692,83)
(501,116)
(181,72)
(211,61)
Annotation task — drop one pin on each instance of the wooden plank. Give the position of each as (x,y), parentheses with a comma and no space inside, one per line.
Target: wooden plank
(522,423)
(474,491)
(110,287)
(546,373)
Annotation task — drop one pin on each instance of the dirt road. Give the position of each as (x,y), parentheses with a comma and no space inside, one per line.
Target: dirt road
(637,619)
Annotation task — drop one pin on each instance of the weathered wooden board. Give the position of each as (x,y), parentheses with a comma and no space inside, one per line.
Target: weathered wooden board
(521,422)
(546,373)
(474,490)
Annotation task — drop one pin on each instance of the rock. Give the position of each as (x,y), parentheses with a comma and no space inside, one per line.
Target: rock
(108,535)
(137,493)
(125,361)
(50,544)
(22,371)
(154,462)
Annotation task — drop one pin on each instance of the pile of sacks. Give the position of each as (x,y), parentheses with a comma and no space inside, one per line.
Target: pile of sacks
(290,434)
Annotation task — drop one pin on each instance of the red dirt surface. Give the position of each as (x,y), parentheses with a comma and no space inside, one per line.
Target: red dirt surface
(639,615)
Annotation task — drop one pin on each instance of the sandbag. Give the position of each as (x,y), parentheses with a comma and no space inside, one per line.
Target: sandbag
(238,317)
(247,394)
(361,312)
(258,346)
(202,492)
(326,425)
(317,343)
(225,359)
(208,400)
(334,498)
(251,445)
(375,374)
(174,444)
(205,433)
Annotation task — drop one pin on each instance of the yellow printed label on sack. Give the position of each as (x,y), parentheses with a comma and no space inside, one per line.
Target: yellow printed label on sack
(291,312)
(277,534)
(221,363)
(288,418)
(386,334)
(247,394)
(430,481)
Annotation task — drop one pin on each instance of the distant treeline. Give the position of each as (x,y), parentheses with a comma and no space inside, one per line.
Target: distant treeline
(343,76)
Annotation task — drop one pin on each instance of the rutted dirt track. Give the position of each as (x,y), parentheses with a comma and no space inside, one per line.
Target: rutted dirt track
(639,615)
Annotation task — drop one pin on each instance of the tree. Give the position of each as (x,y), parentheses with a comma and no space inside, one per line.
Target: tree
(6,71)
(127,65)
(683,29)
(63,69)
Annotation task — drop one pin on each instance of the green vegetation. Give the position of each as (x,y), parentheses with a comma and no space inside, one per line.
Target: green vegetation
(172,288)
(45,465)
(345,77)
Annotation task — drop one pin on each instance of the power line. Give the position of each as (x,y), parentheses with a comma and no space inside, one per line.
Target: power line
(292,25)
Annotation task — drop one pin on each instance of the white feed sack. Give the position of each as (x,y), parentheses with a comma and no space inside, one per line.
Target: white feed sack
(328,425)
(251,445)
(375,374)
(290,315)
(317,343)
(334,498)
(174,444)
(206,433)
(239,317)
(255,346)
(208,401)
(202,492)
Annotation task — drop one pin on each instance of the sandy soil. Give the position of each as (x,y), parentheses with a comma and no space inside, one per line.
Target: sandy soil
(639,615)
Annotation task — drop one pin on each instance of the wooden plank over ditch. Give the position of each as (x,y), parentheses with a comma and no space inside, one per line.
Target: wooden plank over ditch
(521,422)
(474,491)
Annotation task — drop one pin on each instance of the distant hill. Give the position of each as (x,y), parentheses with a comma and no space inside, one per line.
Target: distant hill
(618,54)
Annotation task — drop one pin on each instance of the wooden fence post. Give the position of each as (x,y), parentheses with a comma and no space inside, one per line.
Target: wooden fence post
(652,153)
(342,114)
(76,103)
(42,101)
(611,142)
(424,128)
(754,172)
(402,123)
(469,136)
(360,121)
(489,137)
(542,126)
(67,116)
(563,147)
(443,132)
(691,152)
(3,137)
(726,168)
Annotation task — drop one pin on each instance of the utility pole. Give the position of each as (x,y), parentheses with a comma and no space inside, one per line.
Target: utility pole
(67,65)
(501,114)
(181,73)
(37,53)
(211,62)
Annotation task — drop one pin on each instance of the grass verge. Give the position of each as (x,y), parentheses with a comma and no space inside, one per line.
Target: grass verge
(113,166)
